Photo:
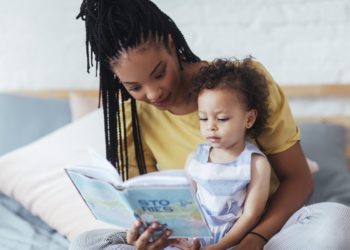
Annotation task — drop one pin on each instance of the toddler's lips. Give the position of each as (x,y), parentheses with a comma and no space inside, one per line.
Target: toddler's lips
(213,138)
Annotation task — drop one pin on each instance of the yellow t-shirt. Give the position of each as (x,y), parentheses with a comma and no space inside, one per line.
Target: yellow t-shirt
(168,139)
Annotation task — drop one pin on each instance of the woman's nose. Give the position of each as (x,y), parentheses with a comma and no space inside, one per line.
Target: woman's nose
(153,94)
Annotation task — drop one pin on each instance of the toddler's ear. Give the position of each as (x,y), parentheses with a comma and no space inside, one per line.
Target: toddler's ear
(251,117)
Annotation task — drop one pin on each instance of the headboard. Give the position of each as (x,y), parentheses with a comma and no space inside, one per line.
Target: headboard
(321,91)
(318,91)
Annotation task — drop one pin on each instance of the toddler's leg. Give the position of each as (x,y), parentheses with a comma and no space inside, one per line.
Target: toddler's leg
(321,226)
(104,239)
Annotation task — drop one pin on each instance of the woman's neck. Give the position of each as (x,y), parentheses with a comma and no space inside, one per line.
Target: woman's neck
(186,103)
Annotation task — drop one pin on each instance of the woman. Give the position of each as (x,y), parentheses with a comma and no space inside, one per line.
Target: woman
(142,56)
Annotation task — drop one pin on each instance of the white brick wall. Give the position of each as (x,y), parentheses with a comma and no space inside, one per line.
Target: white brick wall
(299,41)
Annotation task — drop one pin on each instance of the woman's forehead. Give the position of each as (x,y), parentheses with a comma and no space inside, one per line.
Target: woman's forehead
(136,64)
(144,51)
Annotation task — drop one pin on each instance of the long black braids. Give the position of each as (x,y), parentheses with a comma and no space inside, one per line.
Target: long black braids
(113,26)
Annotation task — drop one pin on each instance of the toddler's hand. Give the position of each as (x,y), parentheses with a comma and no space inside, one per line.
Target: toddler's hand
(186,244)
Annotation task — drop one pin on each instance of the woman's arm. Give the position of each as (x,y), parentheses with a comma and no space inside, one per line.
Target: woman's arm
(295,187)
(254,205)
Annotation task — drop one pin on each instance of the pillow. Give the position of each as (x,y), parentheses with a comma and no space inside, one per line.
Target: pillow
(34,175)
(24,119)
(81,105)
(326,143)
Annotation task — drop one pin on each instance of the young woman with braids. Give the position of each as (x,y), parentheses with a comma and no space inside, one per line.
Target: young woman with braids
(146,72)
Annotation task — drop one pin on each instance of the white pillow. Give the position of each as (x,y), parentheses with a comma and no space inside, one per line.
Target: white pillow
(34,175)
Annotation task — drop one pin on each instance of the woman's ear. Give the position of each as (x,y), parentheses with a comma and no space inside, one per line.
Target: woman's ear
(251,117)
(171,44)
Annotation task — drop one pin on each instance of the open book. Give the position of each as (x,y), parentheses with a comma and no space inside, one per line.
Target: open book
(164,196)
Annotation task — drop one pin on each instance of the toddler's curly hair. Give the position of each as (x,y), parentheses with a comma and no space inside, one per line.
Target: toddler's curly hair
(241,76)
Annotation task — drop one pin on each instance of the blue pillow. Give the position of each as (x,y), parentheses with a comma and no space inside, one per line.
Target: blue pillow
(24,119)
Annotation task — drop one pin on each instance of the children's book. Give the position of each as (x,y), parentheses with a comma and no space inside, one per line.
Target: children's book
(164,196)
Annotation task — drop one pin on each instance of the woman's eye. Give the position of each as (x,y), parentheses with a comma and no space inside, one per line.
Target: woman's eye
(160,75)
(203,119)
(134,89)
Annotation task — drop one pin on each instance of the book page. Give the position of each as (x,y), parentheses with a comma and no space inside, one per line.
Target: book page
(109,175)
(160,178)
(105,202)
(175,207)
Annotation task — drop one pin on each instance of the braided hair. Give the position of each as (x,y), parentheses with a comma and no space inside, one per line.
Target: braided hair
(112,27)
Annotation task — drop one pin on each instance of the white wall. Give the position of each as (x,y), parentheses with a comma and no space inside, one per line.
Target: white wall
(299,41)
(42,45)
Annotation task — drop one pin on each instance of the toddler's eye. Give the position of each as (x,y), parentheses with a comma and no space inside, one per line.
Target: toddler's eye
(223,119)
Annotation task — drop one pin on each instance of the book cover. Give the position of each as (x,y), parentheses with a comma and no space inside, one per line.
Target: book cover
(164,196)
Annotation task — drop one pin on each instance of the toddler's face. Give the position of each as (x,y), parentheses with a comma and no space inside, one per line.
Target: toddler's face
(223,117)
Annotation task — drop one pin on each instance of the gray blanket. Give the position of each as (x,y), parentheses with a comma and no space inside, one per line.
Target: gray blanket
(19,229)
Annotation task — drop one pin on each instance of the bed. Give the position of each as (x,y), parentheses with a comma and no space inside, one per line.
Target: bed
(44,131)
(325,139)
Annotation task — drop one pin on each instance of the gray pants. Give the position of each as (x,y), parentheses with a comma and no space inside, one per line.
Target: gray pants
(322,226)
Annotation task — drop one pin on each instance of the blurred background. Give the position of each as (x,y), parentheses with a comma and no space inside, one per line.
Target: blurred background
(301,42)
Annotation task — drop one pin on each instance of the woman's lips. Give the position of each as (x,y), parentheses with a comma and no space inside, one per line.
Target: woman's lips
(162,102)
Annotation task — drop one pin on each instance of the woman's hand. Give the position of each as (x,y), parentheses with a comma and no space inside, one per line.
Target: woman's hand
(142,241)
(250,242)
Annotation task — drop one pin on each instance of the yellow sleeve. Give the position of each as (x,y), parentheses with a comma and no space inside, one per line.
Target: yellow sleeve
(149,159)
(281,131)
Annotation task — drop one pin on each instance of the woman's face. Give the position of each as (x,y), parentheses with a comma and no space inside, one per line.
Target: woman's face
(151,73)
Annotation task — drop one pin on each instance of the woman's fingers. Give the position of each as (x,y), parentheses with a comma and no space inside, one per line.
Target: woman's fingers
(143,242)
(133,234)
(161,242)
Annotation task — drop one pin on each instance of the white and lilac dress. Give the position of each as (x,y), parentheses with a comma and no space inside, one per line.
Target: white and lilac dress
(221,188)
